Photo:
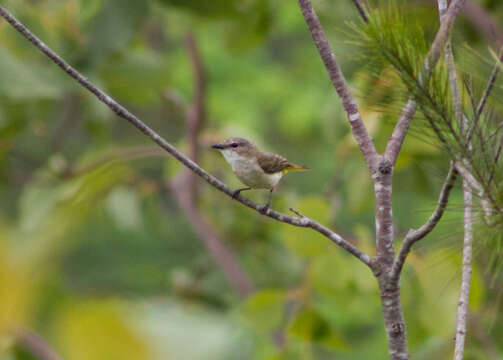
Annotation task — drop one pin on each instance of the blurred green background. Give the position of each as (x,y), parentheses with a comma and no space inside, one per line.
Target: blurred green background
(96,255)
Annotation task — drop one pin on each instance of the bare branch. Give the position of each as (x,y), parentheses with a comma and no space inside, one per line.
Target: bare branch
(397,137)
(361,10)
(414,236)
(35,345)
(359,131)
(490,83)
(466,275)
(125,114)
(485,201)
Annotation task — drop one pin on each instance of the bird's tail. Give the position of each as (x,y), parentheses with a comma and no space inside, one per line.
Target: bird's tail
(294,167)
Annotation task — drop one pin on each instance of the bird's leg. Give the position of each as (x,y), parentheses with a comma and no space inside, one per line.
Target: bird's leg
(235,194)
(264,208)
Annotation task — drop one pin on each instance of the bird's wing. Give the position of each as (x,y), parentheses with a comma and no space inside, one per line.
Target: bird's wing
(272,163)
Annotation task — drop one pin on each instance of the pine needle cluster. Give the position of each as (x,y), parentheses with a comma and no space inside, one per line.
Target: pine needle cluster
(392,40)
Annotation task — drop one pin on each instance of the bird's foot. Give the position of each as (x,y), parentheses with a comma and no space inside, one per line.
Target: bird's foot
(263,209)
(235,194)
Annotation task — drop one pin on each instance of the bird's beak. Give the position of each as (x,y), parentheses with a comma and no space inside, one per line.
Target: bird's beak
(218,146)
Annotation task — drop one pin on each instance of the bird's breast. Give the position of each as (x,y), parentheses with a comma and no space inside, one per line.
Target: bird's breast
(251,174)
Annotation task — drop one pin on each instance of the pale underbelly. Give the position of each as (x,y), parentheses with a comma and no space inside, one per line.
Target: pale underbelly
(254,177)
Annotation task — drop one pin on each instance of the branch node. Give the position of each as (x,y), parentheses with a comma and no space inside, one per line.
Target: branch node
(297,213)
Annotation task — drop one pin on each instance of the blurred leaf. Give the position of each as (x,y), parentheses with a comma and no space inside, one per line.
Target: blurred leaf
(252,25)
(148,76)
(48,213)
(124,206)
(16,282)
(172,325)
(215,8)
(310,326)
(437,274)
(114,26)
(97,330)
(263,310)
(303,242)
(24,80)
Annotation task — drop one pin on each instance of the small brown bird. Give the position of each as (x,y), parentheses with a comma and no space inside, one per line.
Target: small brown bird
(254,168)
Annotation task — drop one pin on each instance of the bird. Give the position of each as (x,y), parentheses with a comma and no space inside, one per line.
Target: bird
(254,168)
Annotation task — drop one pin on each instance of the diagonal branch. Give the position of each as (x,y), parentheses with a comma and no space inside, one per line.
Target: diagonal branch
(490,83)
(361,10)
(173,151)
(397,137)
(35,345)
(359,131)
(484,22)
(414,236)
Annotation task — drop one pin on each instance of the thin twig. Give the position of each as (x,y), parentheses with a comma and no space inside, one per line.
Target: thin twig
(482,20)
(361,10)
(415,235)
(125,114)
(359,131)
(485,201)
(35,345)
(490,83)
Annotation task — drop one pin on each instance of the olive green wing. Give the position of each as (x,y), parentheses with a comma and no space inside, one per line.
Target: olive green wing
(272,163)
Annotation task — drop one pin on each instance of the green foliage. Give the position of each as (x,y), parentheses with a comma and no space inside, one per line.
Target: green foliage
(391,39)
(98,258)
(263,311)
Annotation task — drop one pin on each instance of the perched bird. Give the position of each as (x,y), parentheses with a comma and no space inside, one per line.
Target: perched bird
(254,168)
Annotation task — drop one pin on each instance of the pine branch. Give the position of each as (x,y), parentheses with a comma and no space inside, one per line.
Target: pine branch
(401,128)
(210,179)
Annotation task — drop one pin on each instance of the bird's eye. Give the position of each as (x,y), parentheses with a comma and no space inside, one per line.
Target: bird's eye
(234,145)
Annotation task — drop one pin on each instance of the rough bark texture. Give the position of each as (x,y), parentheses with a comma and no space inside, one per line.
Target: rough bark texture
(393,318)
(389,290)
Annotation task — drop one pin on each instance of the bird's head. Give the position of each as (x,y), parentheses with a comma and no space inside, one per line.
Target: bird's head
(235,148)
